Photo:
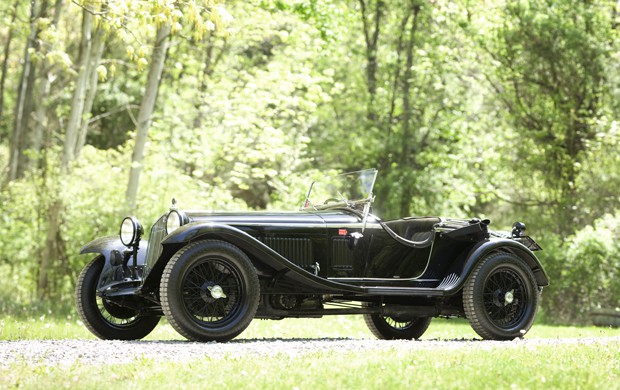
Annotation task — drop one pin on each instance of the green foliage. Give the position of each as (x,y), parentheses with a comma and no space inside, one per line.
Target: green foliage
(250,122)
(93,202)
(549,76)
(585,272)
(498,110)
(599,173)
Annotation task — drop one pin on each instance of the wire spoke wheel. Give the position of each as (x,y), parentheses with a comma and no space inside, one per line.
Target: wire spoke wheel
(106,319)
(389,328)
(209,291)
(500,297)
(212,291)
(504,298)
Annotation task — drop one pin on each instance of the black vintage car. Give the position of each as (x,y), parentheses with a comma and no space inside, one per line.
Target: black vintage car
(211,273)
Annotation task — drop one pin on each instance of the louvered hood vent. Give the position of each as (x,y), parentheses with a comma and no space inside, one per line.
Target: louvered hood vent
(297,250)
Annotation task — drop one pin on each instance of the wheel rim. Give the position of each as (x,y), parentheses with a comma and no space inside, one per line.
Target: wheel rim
(212,291)
(505,298)
(105,307)
(398,325)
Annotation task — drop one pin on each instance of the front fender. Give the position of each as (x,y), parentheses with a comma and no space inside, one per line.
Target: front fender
(104,246)
(197,231)
(111,248)
(246,242)
(487,247)
(262,256)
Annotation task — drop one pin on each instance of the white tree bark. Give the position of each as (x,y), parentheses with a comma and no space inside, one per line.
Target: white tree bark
(96,52)
(146,109)
(79,94)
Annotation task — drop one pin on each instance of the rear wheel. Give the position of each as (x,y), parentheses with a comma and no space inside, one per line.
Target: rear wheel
(104,318)
(210,291)
(500,297)
(389,328)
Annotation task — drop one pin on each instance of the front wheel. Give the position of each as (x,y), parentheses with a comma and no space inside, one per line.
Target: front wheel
(210,291)
(389,328)
(500,297)
(104,318)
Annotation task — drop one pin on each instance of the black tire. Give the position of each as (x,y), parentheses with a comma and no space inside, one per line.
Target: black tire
(209,291)
(500,297)
(388,328)
(105,319)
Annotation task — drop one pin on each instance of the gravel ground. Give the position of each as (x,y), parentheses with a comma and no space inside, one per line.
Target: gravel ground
(67,352)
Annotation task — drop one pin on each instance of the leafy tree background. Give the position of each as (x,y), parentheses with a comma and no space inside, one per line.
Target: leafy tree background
(505,110)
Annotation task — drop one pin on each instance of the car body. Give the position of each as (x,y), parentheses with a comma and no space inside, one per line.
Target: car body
(212,273)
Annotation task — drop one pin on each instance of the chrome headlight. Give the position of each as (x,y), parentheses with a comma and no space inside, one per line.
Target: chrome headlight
(131,230)
(175,220)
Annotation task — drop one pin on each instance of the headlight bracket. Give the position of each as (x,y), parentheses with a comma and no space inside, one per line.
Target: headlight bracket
(130,234)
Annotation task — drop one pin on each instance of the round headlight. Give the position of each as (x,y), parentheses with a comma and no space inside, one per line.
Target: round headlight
(175,220)
(131,230)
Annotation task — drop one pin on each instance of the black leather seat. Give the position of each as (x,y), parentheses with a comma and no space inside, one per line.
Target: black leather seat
(417,231)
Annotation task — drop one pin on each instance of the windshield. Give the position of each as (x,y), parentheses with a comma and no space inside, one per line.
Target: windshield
(353,189)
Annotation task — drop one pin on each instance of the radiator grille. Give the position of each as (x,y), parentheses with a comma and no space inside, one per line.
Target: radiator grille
(158,232)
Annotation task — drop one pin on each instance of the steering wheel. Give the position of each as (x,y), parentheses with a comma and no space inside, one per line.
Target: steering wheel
(331,200)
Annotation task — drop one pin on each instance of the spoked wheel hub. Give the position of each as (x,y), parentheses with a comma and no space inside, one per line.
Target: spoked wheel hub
(210,292)
(505,294)
(503,298)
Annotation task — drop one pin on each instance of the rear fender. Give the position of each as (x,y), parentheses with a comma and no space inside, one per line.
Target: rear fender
(487,247)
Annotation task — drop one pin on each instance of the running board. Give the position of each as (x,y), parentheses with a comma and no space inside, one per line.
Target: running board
(448,286)
(387,311)
(408,291)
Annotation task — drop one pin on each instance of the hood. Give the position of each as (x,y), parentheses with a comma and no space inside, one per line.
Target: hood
(301,218)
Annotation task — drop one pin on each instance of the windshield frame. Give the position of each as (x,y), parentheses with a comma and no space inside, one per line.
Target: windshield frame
(364,180)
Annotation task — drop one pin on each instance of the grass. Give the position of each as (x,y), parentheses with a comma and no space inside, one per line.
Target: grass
(509,365)
(514,367)
(48,326)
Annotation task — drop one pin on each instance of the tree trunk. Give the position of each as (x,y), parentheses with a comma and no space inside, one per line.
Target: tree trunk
(408,147)
(371,36)
(42,92)
(146,109)
(50,251)
(5,60)
(23,98)
(210,62)
(79,94)
(96,52)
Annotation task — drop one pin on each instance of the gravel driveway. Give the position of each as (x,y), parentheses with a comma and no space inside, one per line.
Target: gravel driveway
(67,352)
